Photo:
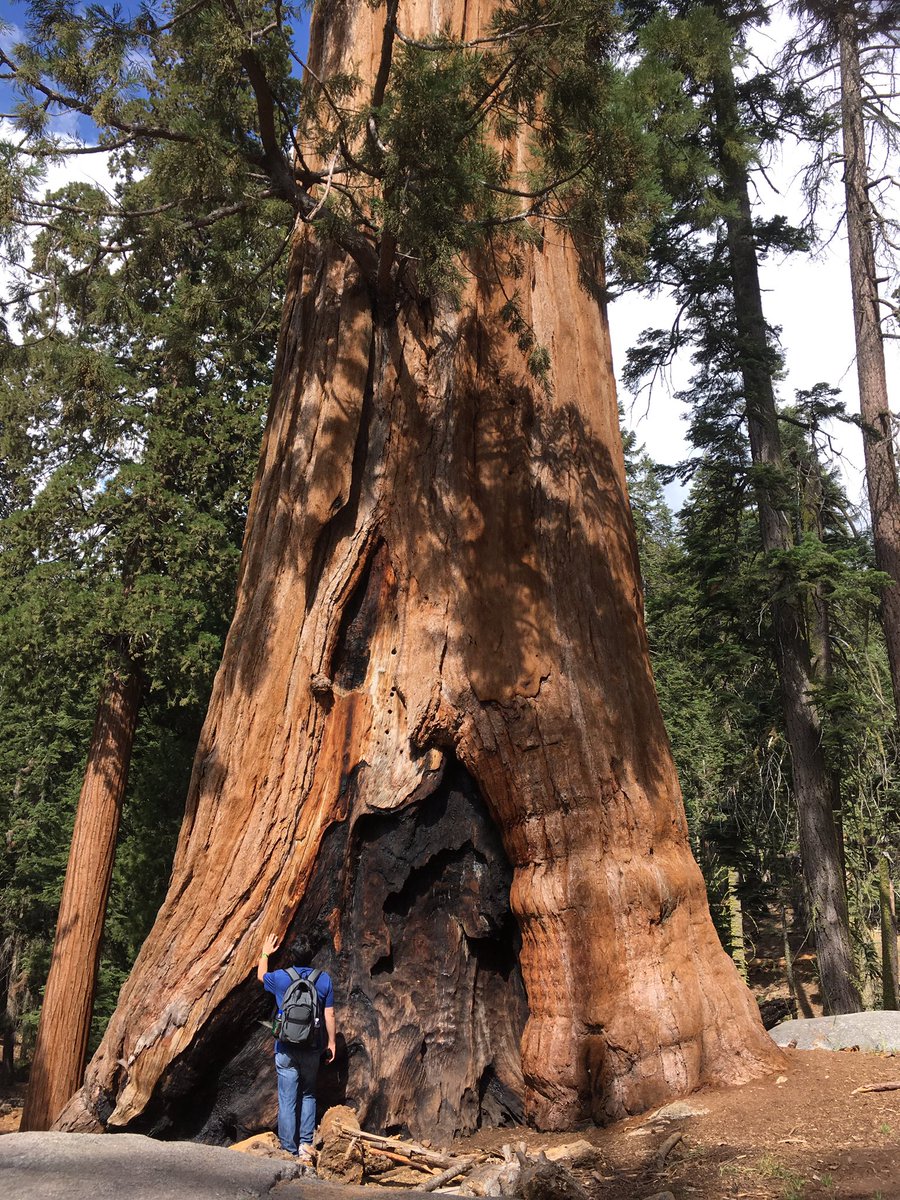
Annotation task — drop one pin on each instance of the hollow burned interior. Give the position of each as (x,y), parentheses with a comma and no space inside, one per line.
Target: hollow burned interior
(429,996)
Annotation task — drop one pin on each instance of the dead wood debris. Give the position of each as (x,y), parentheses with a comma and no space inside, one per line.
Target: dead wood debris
(350,1154)
(891,1086)
(455,1169)
(264,1145)
(409,1151)
(666,1149)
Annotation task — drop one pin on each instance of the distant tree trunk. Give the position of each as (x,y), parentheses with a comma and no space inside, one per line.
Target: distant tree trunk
(819,849)
(788,961)
(818,624)
(434,746)
(736,923)
(889,977)
(878,429)
(57,1067)
(9,1007)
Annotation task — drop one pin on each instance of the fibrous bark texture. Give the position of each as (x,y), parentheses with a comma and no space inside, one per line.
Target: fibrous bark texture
(434,747)
(61,1049)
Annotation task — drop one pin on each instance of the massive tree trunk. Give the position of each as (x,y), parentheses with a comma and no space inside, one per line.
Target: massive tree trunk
(878,423)
(57,1066)
(434,747)
(819,845)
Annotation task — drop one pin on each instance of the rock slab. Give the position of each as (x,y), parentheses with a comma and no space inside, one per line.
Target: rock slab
(91,1166)
(874,1032)
(127,1166)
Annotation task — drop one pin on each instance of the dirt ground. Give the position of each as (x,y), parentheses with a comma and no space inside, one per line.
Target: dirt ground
(800,1135)
(11,1097)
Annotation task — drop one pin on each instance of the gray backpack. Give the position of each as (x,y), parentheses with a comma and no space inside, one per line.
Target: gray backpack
(300,1021)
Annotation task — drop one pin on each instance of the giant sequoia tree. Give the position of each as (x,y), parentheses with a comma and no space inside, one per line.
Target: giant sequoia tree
(434,747)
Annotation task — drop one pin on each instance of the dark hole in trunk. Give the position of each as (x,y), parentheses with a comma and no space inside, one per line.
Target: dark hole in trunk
(360,618)
(429,962)
(430,1004)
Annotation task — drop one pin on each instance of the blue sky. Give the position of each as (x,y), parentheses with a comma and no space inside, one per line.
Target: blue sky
(10,13)
(15,15)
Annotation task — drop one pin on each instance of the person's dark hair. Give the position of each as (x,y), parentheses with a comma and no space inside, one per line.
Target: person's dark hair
(299,953)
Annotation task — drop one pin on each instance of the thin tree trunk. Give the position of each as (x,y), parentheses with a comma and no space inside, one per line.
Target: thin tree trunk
(57,1067)
(788,961)
(889,978)
(434,745)
(736,924)
(878,432)
(9,1007)
(818,624)
(819,849)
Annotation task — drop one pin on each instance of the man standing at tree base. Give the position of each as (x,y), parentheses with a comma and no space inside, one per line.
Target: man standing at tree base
(297,1062)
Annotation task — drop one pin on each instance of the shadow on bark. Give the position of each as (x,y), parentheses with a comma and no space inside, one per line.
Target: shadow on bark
(435,710)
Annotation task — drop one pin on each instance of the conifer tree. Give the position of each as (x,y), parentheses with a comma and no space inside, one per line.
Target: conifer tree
(139,430)
(712,646)
(840,35)
(710,253)
(464,177)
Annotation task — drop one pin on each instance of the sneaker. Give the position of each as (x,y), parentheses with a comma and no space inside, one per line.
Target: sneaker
(306,1160)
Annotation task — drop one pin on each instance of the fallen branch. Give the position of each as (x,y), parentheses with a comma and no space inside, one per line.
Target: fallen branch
(892,1086)
(404,1159)
(462,1167)
(666,1149)
(401,1147)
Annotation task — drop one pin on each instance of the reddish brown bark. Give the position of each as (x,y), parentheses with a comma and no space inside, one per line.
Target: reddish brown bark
(434,746)
(57,1067)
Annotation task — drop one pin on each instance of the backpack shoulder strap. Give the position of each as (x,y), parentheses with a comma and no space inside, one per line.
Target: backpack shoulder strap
(313,976)
(295,975)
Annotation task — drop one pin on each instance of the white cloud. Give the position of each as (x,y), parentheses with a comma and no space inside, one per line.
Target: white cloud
(81,168)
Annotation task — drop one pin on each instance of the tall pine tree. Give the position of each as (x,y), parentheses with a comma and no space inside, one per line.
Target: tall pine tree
(709,254)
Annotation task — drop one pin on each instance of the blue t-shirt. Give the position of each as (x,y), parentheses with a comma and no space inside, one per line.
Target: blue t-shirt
(278,982)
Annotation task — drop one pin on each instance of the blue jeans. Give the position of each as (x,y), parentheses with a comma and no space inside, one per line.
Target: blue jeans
(297,1069)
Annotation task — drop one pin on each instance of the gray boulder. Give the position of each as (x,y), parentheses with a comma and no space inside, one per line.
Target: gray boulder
(127,1166)
(875,1032)
(105,1166)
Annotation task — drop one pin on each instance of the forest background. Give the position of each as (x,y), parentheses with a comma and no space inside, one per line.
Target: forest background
(131,423)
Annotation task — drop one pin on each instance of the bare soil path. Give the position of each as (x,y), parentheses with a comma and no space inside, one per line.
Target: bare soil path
(801,1135)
